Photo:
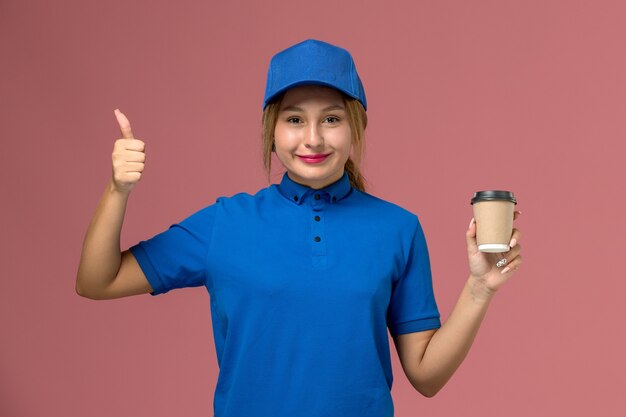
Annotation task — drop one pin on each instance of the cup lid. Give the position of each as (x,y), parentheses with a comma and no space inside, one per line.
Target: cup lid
(492,195)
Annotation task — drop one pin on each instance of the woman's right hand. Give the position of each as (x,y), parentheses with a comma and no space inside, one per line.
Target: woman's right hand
(104,271)
(128,157)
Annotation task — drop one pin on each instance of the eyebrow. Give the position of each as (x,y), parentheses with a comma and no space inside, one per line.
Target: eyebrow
(299,109)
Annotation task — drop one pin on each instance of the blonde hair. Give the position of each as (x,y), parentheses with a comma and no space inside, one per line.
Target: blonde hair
(358,122)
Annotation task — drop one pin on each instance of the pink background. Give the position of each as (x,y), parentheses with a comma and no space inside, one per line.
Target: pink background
(464,96)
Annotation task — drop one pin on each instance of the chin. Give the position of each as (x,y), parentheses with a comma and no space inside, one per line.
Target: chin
(327,179)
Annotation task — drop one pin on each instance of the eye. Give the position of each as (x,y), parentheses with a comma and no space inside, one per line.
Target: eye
(332,119)
(294,120)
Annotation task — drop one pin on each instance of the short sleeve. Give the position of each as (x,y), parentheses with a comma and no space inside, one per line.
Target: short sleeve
(412,306)
(176,258)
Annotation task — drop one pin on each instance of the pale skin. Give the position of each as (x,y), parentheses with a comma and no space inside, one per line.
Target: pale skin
(430,358)
(104,272)
(312,122)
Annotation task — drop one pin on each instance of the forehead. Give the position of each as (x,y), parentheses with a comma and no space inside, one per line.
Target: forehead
(311,94)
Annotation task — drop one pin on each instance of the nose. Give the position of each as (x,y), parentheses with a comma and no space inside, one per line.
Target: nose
(314,137)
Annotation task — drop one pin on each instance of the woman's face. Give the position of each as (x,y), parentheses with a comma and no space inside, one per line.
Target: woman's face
(312,135)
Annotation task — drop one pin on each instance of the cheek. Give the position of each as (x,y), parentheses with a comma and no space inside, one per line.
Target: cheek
(283,137)
(282,144)
(346,141)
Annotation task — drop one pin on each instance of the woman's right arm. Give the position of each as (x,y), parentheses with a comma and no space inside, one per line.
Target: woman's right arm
(104,271)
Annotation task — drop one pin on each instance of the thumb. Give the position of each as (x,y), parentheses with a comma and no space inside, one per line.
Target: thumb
(124,124)
(470,236)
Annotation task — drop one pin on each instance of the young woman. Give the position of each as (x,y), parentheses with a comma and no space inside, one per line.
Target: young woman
(306,276)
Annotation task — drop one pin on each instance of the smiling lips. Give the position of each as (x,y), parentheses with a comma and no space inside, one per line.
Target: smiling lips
(313,159)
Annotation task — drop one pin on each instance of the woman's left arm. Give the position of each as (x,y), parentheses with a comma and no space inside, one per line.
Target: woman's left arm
(430,358)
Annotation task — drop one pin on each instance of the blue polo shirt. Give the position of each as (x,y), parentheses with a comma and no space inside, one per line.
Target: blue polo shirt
(304,285)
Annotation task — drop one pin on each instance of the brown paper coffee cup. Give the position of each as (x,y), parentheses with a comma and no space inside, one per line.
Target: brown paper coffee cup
(493,213)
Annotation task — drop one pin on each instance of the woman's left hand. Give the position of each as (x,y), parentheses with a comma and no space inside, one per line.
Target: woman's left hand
(483,265)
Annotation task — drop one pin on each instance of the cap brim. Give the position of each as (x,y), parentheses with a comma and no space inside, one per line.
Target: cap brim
(305,82)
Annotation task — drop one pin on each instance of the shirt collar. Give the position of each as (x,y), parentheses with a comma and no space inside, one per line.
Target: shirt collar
(297,193)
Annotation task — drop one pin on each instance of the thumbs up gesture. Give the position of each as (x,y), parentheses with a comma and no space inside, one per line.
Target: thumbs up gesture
(128,157)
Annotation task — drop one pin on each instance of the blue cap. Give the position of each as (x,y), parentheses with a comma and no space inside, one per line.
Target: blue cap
(313,62)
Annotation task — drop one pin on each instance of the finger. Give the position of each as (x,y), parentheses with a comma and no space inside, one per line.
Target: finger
(134,145)
(124,124)
(472,226)
(470,237)
(135,156)
(515,237)
(133,176)
(134,167)
(516,214)
(127,147)
(509,256)
(513,266)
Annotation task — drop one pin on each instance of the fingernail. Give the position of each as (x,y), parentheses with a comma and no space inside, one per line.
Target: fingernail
(513,242)
(505,270)
(471,223)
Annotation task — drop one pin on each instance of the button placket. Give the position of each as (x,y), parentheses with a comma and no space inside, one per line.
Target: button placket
(318,237)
